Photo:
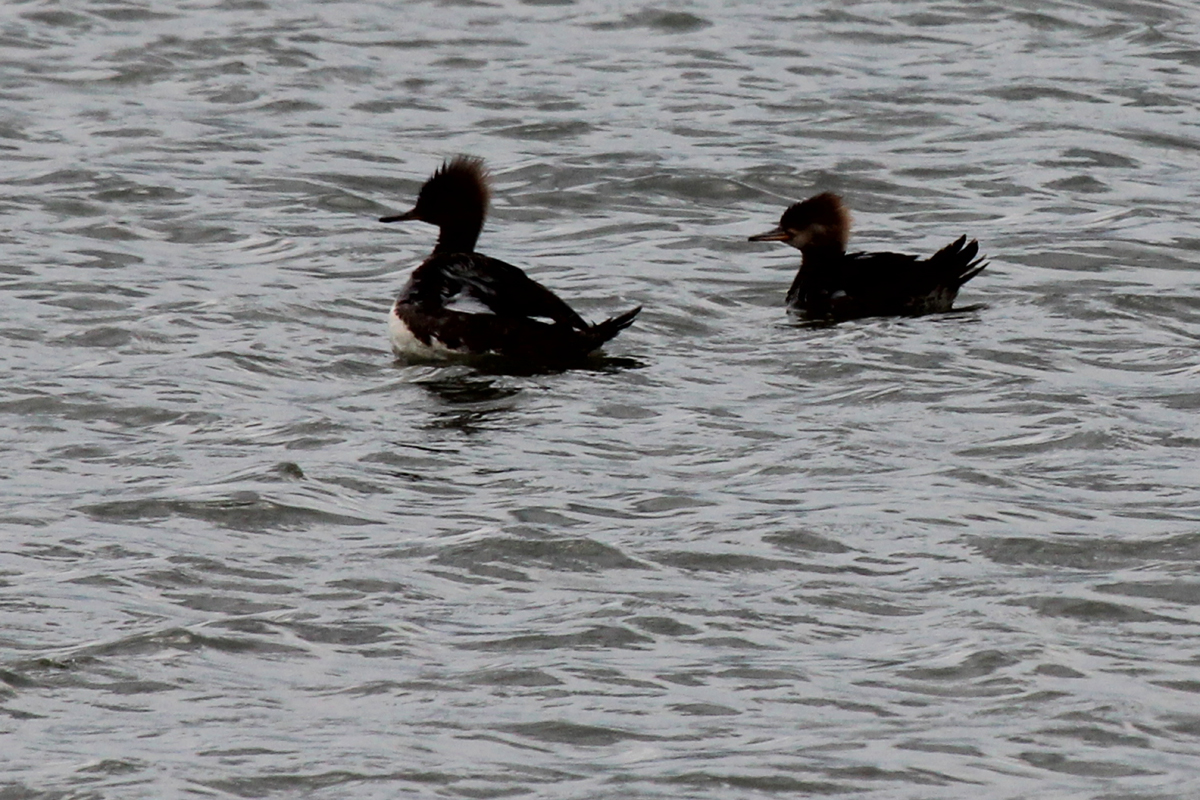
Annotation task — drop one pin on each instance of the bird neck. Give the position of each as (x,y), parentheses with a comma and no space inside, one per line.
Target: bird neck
(458,237)
(818,275)
(818,254)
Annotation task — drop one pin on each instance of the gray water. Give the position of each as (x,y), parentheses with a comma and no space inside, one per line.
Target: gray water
(247,554)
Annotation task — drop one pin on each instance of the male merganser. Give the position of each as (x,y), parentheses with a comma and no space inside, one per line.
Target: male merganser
(462,302)
(834,284)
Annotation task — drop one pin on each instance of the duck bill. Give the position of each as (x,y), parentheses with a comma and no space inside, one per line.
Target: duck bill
(405,217)
(776,235)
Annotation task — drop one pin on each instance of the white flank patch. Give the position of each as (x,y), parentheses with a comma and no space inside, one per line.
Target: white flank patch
(404,343)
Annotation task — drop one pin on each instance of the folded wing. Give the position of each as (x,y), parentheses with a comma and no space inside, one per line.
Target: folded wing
(504,289)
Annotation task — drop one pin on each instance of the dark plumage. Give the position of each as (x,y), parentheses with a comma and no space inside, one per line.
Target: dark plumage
(834,284)
(460,301)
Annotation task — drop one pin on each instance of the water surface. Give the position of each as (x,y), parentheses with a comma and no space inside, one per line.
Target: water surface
(250,555)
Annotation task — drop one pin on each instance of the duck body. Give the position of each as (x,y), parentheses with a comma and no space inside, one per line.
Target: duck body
(472,304)
(459,302)
(836,285)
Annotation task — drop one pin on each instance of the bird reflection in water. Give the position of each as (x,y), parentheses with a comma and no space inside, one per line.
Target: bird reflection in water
(481,390)
(469,400)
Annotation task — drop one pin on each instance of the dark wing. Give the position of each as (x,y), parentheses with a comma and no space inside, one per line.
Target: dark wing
(895,274)
(878,276)
(503,288)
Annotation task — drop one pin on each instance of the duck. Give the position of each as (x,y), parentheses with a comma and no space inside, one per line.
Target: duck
(458,302)
(835,285)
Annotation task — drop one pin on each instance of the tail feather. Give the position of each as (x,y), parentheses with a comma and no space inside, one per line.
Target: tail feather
(601,332)
(958,261)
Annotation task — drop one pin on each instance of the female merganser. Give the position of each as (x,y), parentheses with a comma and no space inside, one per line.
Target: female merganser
(834,284)
(462,302)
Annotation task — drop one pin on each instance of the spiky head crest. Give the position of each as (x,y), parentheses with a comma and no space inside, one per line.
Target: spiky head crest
(820,220)
(455,194)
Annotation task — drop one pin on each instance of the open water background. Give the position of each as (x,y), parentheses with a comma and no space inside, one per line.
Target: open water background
(245,554)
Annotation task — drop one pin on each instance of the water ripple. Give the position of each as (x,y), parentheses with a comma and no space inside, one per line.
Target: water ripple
(250,554)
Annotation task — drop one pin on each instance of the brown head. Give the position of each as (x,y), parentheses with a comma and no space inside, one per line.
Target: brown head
(820,221)
(455,198)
